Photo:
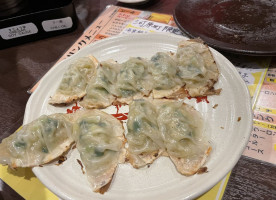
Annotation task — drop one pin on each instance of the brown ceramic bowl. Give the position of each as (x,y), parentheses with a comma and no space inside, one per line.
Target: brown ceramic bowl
(237,26)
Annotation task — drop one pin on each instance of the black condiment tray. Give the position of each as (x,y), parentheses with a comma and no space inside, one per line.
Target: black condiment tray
(37,20)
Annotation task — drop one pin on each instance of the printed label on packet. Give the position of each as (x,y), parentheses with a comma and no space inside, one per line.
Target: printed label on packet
(57,24)
(18,31)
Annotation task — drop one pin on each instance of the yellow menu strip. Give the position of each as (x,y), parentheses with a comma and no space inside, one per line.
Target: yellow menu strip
(217,191)
(162,18)
(25,183)
(258,86)
(270,80)
(264,125)
(265,110)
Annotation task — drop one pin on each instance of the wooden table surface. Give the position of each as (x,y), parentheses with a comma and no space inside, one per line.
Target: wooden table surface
(23,65)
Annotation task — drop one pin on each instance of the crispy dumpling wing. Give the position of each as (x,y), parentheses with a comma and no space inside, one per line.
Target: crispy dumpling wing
(181,127)
(74,81)
(197,68)
(100,142)
(144,141)
(38,142)
(101,88)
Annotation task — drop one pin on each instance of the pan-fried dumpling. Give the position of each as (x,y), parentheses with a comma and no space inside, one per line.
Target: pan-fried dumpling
(145,144)
(38,142)
(168,128)
(101,88)
(191,71)
(74,81)
(197,68)
(134,80)
(181,127)
(100,141)
(164,70)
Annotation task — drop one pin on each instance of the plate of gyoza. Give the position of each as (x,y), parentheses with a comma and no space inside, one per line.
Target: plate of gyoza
(139,116)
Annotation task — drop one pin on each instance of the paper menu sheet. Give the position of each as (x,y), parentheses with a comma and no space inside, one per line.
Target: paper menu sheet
(261,83)
(262,142)
(252,71)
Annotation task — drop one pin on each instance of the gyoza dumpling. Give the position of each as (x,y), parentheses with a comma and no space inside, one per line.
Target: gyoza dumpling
(100,142)
(197,68)
(164,70)
(38,142)
(134,80)
(181,127)
(101,88)
(74,81)
(145,143)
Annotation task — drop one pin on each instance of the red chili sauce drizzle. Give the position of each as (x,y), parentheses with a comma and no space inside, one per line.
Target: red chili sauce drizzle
(203,98)
(120,116)
(198,99)
(118,108)
(73,109)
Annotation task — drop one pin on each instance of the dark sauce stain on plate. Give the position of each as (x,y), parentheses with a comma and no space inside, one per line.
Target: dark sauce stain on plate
(61,159)
(237,26)
(202,170)
(80,163)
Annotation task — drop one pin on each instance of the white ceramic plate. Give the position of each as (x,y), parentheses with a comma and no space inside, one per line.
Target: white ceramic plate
(161,180)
